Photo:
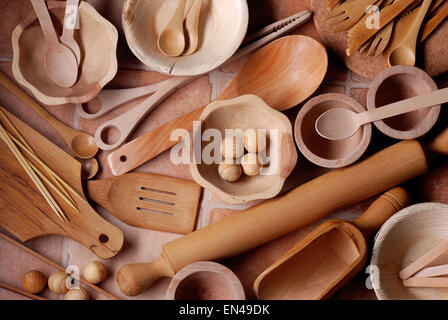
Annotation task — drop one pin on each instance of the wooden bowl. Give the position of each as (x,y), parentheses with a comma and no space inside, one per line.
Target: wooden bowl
(403,239)
(222,28)
(97,39)
(247,112)
(399,83)
(321,151)
(205,281)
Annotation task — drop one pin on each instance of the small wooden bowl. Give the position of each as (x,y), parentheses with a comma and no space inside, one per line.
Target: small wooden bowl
(403,239)
(205,281)
(222,28)
(246,112)
(97,39)
(321,151)
(399,83)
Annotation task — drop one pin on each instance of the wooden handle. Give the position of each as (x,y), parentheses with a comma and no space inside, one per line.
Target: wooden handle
(308,203)
(432,24)
(67,31)
(46,24)
(21,292)
(381,210)
(426,282)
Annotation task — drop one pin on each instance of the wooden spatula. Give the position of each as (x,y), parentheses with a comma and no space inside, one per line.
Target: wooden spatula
(149,201)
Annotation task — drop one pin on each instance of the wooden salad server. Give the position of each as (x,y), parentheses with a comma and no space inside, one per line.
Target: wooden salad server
(276,217)
(329,257)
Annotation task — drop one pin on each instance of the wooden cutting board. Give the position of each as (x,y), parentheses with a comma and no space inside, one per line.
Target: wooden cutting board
(24,211)
(434,59)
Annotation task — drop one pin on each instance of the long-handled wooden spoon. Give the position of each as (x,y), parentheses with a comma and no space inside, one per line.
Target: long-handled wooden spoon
(69,28)
(339,124)
(404,53)
(61,63)
(172,40)
(191,25)
(274,73)
(81,144)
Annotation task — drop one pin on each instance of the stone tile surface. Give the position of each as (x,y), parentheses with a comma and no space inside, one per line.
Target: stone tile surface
(145,245)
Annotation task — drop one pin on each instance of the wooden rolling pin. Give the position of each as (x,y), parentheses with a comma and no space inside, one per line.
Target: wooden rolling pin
(271,219)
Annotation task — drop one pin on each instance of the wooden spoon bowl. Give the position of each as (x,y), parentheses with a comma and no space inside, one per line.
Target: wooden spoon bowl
(97,39)
(222,28)
(403,239)
(399,83)
(324,152)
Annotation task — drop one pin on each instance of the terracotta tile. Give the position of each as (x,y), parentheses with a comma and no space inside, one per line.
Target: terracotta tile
(14,262)
(360,95)
(328,88)
(358,78)
(12,13)
(336,72)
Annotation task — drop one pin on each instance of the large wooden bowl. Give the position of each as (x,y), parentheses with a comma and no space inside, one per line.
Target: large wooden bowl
(97,39)
(222,28)
(247,112)
(403,239)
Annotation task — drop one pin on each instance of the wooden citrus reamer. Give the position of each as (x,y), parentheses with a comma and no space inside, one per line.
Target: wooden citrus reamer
(276,217)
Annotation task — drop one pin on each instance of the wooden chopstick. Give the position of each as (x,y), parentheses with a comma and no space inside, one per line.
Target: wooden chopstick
(21,292)
(33,176)
(53,264)
(17,134)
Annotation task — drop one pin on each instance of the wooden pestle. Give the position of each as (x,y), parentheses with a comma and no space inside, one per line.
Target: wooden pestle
(271,219)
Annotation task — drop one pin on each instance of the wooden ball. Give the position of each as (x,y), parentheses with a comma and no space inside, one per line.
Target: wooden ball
(57,282)
(254,141)
(77,294)
(232,147)
(229,172)
(251,165)
(34,281)
(95,272)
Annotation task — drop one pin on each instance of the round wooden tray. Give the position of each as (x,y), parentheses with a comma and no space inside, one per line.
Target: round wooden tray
(434,60)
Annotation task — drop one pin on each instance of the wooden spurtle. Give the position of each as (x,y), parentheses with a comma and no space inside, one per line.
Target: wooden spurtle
(26,214)
(149,201)
(276,217)
(328,257)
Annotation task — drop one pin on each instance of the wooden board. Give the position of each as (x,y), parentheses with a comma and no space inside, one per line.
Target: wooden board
(434,59)
(24,211)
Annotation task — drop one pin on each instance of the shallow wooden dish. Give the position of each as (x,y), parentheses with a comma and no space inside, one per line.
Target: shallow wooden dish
(399,83)
(205,281)
(97,39)
(403,239)
(222,28)
(321,151)
(246,112)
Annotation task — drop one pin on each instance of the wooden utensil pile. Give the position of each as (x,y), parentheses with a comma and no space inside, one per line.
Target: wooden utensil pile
(400,23)
(63,55)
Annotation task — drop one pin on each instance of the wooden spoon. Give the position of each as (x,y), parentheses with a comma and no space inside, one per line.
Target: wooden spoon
(171,41)
(328,257)
(339,124)
(191,25)
(274,73)
(404,53)
(69,29)
(81,144)
(61,63)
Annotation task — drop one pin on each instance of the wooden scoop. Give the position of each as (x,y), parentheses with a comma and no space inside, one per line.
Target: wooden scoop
(191,25)
(328,257)
(149,201)
(68,31)
(61,63)
(171,41)
(339,124)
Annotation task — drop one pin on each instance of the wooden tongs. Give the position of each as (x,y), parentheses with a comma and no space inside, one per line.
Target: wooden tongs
(418,274)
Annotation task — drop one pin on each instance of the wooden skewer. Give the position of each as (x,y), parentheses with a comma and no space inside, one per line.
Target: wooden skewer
(53,264)
(43,190)
(21,292)
(17,134)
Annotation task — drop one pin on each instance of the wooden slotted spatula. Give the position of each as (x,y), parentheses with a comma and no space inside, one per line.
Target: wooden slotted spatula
(149,201)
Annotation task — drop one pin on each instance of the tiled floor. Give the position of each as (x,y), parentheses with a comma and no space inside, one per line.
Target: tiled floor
(144,245)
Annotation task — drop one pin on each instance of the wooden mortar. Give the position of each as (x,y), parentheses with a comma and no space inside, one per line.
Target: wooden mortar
(321,151)
(205,281)
(399,83)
